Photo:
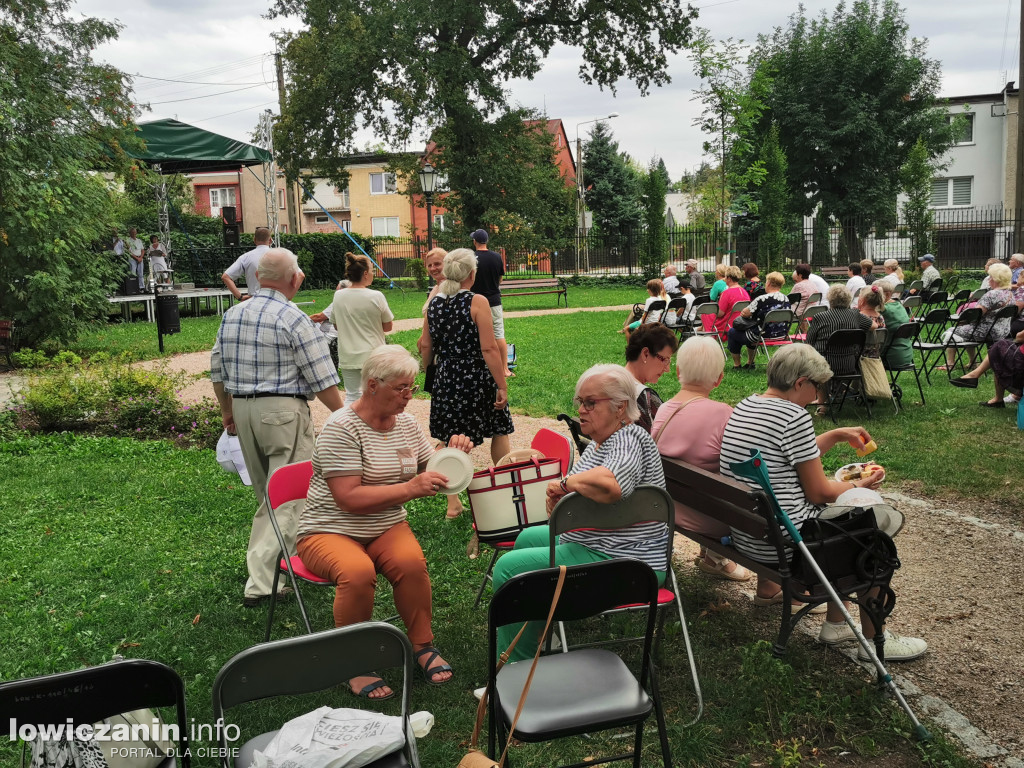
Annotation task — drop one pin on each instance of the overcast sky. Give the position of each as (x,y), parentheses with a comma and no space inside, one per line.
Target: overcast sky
(229,43)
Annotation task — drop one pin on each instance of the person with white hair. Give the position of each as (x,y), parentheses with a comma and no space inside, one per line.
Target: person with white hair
(268,362)
(470,391)
(1016,267)
(988,329)
(697,279)
(778,425)
(620,457)
(369,461)
(689,427)
(671,282)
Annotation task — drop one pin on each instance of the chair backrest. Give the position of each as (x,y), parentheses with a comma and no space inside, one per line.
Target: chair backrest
(814,298)
(817,309)
(795,298)
(847,341)
(554,446)
(916,285)
(978,293)
(704,297)
(970,316)
(779,316)
(936,285)
(707,308)
(589,590)
(289,483)
(912,303)
(936,297)
(654,311)
(739,306)
(1009,311)
(581,440)
(964,294)
(316,662)
(92,694)
(898,289)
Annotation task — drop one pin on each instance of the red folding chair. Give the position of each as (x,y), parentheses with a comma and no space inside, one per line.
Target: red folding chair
(290,483)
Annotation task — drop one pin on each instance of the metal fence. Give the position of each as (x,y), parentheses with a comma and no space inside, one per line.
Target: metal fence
(960,238)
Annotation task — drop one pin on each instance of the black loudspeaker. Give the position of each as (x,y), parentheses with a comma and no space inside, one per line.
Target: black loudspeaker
(167,312)
(227,215)
(230,234)
(130,286)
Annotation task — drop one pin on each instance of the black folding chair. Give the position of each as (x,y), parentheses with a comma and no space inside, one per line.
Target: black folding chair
(581,691)
(929,340)
(913,305)
(581,440)
(906,331)
(646,504)
(92,694)
(1009,311)
(774,319)
(971,318)
(310,663)
(846,343)
(675,317)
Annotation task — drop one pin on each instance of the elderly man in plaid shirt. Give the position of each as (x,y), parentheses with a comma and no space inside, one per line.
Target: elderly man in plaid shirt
(268,363)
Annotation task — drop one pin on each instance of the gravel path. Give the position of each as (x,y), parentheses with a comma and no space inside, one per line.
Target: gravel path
(959,588)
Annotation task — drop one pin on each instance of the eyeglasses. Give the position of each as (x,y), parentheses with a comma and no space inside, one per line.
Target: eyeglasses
(813,383)
(665,360)
(404,390)
(588,404)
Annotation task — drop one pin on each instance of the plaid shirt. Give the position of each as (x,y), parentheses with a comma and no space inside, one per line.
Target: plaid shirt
(266,344)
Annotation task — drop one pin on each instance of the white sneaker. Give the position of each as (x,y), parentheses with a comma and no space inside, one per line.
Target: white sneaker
(1011,400)
(479,692)
(835,634)
(898,648)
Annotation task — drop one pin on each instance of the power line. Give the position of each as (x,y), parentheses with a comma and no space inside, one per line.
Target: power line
(207,96)
(235,112)
(191,82)
(218,69)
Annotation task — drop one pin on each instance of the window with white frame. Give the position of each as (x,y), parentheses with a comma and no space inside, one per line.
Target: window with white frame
(346,225)
(965,134)
(280,199)
(956,192)
(383,184)
(385,226)
(221,197)
(439,222)
(321,219)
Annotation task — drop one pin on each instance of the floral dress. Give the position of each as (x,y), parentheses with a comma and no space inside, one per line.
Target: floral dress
(463,395)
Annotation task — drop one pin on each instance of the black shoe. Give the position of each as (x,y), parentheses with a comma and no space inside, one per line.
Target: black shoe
(999,404)
(964,382)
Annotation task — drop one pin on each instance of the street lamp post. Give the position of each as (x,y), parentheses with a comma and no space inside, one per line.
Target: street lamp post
(581,203)
(428,179)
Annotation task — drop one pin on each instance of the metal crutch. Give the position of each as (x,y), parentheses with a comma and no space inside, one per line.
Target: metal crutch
(753,469)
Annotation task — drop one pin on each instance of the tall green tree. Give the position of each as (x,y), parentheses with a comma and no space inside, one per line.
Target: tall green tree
(62,117)
(403,66)
(773,210)
(916,181)
(612,187)
(850,93)
(655,248)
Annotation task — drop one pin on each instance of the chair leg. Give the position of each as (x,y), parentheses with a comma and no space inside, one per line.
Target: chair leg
(302,605)
(689,650)
(487,577)
(917,378)
(273,602)
(659,714)
(638,743)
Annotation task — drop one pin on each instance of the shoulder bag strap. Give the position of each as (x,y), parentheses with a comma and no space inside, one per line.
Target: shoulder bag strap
(675,413)
(481,709)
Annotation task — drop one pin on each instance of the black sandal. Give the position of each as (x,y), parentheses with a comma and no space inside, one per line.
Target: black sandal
(429,671)
(370,688)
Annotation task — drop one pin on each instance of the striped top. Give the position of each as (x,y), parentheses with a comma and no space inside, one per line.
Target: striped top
(842,360)
(631,455)
(267,344)
(784,433)
(349,446)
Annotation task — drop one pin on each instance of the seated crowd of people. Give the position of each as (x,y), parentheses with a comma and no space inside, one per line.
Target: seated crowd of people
(370,459)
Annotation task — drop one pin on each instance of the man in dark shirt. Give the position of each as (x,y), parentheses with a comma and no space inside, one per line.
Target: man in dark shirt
(489,271)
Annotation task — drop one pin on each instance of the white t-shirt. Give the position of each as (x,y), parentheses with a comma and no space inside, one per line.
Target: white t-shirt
(820,286)
(671,284)
(246,265)
(854,284)
(135,246)
(359,315)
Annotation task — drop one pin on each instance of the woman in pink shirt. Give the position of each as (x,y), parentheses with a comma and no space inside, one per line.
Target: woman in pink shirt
(733,293)
(689,427)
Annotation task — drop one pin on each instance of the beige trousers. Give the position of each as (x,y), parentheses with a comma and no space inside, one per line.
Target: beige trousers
(272,432)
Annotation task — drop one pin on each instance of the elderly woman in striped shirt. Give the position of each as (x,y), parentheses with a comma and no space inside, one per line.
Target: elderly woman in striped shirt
(620,457)
(369,460)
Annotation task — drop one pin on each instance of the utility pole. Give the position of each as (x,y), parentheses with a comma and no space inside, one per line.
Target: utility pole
(289,186)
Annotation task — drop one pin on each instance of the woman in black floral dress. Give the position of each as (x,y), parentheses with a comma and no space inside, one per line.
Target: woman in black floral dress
(470,394)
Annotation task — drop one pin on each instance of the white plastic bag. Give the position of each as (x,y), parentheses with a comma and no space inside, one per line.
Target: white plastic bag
(332,738)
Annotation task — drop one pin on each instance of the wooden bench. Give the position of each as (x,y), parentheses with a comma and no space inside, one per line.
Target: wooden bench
(533,286)
(835,273)
(740,507)
(7,339)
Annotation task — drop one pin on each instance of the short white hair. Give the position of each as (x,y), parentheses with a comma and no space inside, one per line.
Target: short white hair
(389,362)
(618,384)
(1000,275)
(796,360)
(277,264)
(699,362)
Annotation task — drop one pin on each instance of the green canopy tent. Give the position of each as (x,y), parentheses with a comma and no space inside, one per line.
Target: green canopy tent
(175,147)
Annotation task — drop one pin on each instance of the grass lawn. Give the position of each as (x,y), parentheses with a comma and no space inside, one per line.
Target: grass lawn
(139,339)
(949,446)
(142,552)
